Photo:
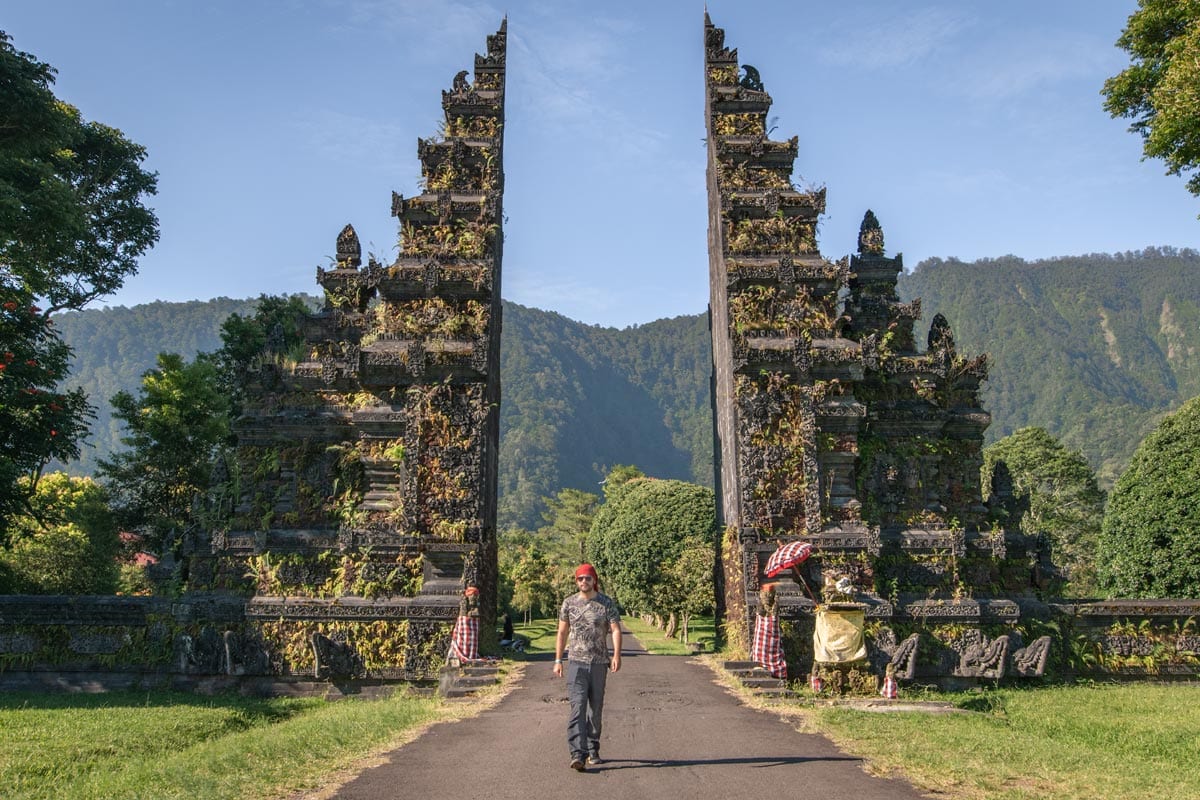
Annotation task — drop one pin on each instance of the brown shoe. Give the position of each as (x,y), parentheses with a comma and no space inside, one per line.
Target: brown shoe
(578,765)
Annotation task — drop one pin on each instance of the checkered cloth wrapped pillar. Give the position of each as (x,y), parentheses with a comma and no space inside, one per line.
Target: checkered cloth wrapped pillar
(767,649)
(464,642)
(890,689)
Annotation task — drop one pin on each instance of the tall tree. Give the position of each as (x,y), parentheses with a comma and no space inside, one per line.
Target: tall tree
(1150,541)
(176,425)
(1160,90)
(568,517)
(1065,503)
(72,226)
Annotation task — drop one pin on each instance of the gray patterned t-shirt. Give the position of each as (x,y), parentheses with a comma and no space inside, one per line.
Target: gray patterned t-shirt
(590,621)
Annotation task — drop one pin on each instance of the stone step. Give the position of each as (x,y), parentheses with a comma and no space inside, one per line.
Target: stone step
(480,669)
(744,674)
(763,683)
(474,681)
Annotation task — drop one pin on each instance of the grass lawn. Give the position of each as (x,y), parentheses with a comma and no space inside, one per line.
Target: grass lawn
(165,745)
(1088,742)
(700,630)
(540,633)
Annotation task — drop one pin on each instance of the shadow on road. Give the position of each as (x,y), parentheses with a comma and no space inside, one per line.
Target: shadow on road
(766,761)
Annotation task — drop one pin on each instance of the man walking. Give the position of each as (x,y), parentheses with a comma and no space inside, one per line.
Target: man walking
(586,617)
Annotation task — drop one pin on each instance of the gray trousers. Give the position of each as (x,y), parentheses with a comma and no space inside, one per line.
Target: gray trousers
(585,690)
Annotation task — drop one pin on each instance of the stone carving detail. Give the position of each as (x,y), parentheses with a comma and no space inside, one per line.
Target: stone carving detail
(984,661)
(17,644)
(335,658)
(1030,662)
(349,251)
(901,657)
(751,79)
(245,655)
(91,644)
(199,655)
(904,659)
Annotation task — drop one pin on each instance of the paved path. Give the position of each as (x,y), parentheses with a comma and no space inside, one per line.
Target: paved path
(669,732)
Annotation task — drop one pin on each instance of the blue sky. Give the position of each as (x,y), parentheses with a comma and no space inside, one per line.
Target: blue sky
(972,129)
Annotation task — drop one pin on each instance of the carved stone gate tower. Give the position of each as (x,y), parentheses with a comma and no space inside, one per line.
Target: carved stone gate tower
(832,429)
(364,493)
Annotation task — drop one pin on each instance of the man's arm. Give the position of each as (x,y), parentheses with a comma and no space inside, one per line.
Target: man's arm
(560,644)
(616,637)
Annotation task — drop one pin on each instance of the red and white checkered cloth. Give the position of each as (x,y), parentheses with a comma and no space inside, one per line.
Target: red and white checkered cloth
(767,648)
(464,642)
(890,689)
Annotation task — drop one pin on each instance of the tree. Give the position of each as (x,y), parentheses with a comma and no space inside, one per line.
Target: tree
(176,425)
(689,588)
(1150,542)
(37,421)
(1160,91)
(273,333)
(530,580)
(67,543)
(617,477)
(72,226)
(72,223)
(568,518)
(1065,502)
(641,530)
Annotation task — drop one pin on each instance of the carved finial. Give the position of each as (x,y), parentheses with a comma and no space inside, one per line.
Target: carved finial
(940,337)
(751,81)
(870,236)
(349,251)
(460,83)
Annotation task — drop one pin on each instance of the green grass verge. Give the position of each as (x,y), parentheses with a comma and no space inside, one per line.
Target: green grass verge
(165,745)
(1099,742)
(701,630)
(540,633)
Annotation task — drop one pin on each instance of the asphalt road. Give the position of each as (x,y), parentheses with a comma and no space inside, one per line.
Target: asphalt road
(669,731)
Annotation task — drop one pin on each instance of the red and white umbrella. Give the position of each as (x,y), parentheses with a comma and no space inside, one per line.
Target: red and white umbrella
(792,554)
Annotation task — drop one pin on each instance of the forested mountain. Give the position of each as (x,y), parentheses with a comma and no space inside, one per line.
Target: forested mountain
(578,399)
(1095,349)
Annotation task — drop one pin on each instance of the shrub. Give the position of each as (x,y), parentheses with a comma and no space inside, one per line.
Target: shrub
(68,545)
(1150,540)
(642,530)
